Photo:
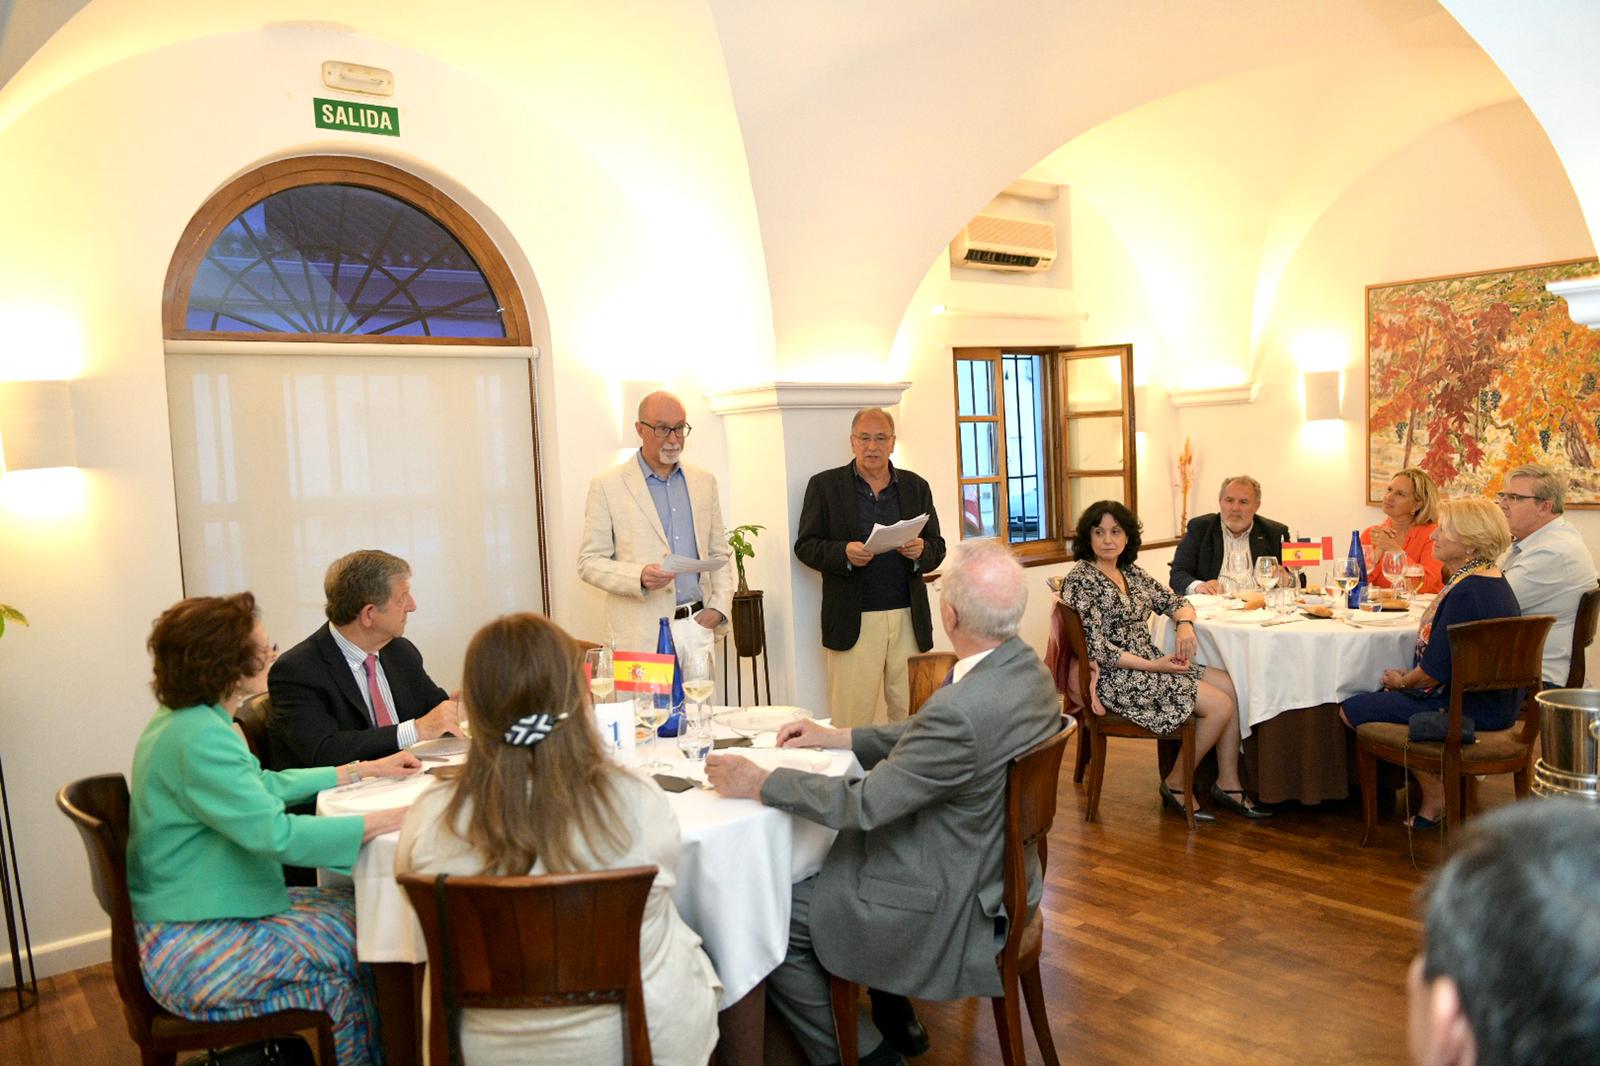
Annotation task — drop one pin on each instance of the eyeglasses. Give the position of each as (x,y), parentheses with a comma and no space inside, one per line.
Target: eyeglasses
(872,438)
(661,429)
(1507,497)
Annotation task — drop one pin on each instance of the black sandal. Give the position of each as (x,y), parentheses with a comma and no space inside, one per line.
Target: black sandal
(1224,798)
(1170,798)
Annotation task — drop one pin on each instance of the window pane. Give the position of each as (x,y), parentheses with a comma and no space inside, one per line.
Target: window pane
(978,449)
(340,259)
(974,390)
(1094,384)
(1094,443)
(1082,491)
(1025,489)
(979,517)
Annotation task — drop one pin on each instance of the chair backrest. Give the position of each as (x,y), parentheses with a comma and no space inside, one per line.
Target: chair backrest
(98,806)
(562,940)
(252,720)
(926,674)
(1031,784)
(1583,627)
(1076,644)
(1493,655)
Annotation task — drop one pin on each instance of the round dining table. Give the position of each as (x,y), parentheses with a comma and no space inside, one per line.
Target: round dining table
(738,864)
(1290,677)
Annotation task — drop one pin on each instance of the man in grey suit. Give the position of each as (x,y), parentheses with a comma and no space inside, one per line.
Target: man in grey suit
(908,898)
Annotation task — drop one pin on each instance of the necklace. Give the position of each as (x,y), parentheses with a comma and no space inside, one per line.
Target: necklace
(1472,566)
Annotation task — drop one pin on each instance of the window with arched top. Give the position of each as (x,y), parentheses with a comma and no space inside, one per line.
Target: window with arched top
(350,364)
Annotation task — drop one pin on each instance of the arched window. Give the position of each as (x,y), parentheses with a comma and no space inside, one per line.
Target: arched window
(342,249)
(350,365)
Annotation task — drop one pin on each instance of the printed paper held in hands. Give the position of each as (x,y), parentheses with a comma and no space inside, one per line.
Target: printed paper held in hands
(682,564)
(888,538)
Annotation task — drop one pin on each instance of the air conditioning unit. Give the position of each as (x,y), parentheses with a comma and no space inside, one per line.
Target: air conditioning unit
(994,242)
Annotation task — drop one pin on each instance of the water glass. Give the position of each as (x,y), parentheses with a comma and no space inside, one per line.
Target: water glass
(1266,572)
(694,739)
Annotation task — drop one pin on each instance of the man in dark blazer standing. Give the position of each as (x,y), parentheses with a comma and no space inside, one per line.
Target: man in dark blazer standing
(908,900)
(1235,531)
(355,689)
(874,607)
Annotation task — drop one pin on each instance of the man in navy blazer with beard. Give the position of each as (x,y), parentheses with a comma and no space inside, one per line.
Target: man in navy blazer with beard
(1235,527)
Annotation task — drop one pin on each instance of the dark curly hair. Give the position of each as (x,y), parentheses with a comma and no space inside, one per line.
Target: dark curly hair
(201,647)
(1082,548)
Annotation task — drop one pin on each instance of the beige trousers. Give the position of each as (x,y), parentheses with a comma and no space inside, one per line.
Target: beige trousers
(877,661)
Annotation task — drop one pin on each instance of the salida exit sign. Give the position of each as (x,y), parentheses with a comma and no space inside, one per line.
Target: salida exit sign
(356,118)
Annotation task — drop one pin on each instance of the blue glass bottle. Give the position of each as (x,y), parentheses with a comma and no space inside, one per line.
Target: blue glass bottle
(664,646)
(1360,558)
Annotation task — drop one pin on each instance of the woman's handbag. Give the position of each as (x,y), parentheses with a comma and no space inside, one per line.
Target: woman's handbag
(274,1051)
(1431,727)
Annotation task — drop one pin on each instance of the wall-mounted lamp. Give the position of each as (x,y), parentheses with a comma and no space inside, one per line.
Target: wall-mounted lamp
(36,425)
(1321,394)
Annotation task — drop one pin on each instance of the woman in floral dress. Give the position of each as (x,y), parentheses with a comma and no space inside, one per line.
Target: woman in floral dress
(1114,597)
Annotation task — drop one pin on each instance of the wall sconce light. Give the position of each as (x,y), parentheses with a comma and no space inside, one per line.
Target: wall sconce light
(1321,394)
(36,425)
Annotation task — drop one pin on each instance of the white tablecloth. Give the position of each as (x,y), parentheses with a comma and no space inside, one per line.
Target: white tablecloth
(1299,664)
(738,865)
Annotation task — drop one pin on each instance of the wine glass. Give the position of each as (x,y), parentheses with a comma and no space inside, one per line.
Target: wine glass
(699,682)
(1413,575)
(1394,567)
(1267,573)
(602,678)
(650,699)
(1346,575)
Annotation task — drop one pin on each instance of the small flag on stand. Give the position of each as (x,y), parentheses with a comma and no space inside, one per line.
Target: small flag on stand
(1307,552)
(656,668)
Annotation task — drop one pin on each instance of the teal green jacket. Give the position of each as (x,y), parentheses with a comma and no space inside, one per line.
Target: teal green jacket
(208,833)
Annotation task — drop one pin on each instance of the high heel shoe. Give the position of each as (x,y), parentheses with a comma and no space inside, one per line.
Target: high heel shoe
(1225,798)
(1170,798)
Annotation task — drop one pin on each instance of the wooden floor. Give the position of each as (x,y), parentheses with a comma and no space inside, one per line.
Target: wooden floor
(1278,941)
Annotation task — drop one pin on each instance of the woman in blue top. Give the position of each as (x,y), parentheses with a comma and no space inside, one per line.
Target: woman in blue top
(220,937)
(1472,533)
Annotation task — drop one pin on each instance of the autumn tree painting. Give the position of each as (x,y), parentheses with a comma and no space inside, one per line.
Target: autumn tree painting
(1471,375)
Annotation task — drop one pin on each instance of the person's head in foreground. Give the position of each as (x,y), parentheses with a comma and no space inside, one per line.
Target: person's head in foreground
(1509,972)
(1470,528)
(982,595)
(209,650)
(537,777)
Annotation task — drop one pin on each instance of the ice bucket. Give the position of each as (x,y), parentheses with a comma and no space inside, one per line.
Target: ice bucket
(1569,741)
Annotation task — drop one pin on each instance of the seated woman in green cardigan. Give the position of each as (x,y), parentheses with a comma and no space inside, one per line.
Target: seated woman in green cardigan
(220,936)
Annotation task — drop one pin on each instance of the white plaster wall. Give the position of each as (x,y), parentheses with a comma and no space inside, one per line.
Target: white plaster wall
(634,233)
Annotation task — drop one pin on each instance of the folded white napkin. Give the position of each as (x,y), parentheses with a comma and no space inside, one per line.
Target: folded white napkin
(1247,617)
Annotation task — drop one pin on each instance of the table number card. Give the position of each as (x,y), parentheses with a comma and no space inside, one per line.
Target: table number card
(615,722)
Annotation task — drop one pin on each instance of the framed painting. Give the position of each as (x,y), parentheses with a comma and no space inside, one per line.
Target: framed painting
(1473,374)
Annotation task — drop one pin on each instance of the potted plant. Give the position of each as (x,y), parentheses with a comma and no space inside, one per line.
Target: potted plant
(9,613)
(749,622)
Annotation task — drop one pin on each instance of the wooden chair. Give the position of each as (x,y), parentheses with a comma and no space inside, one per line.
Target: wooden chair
(99,808)
(1583,627)
(562,940)
(251,718)
(1487,656)
(925,676)
(1098,727)
(1030,812)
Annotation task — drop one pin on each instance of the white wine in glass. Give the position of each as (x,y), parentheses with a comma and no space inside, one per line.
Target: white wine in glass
(1346,575)
(1413,575)
(602,679)
(650,710)
(699,691)
(699,676)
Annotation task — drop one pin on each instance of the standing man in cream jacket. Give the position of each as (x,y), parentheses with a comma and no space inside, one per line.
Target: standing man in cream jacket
(649,507)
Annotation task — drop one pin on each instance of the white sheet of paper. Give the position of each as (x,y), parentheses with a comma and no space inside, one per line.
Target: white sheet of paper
(682,564)
(888,538)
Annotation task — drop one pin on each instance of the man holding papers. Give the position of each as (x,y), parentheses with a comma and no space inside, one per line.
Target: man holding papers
(640,513)
(874,602)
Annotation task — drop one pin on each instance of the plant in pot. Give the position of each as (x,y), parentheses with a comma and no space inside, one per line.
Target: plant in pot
(749,625)
(9,613)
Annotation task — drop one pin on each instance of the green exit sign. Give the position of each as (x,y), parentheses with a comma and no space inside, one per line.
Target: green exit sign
(356,118)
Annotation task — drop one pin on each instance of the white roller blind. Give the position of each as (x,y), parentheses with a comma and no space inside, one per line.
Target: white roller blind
(284,462)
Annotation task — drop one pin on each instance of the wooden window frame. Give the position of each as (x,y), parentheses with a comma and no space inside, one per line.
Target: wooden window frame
(1056,429)
(245,191)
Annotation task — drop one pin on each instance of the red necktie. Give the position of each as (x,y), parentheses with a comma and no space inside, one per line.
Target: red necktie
(380,710)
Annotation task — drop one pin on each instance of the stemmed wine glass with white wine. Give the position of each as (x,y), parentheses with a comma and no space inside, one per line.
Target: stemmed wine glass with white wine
(1346,575)
(1413,576)
(650,699)
(602,679)
(699,682)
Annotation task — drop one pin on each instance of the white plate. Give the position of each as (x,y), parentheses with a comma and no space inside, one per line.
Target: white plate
(792,758)
(760,719)
(1379,618)
(441,746)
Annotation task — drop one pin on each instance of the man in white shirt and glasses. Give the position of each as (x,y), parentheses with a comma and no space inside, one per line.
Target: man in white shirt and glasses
(1549,567)
(648,507)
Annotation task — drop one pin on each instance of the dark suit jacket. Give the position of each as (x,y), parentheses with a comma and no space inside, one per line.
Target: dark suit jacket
(909,897)
(1199,554)
(830,519)
(318,717)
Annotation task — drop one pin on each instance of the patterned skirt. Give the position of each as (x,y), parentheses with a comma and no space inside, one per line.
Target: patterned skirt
(1159,702)
(303,959)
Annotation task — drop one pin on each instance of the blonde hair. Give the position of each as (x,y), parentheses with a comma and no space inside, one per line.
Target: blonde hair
(529,803)
(1478,524)
(1426,493)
